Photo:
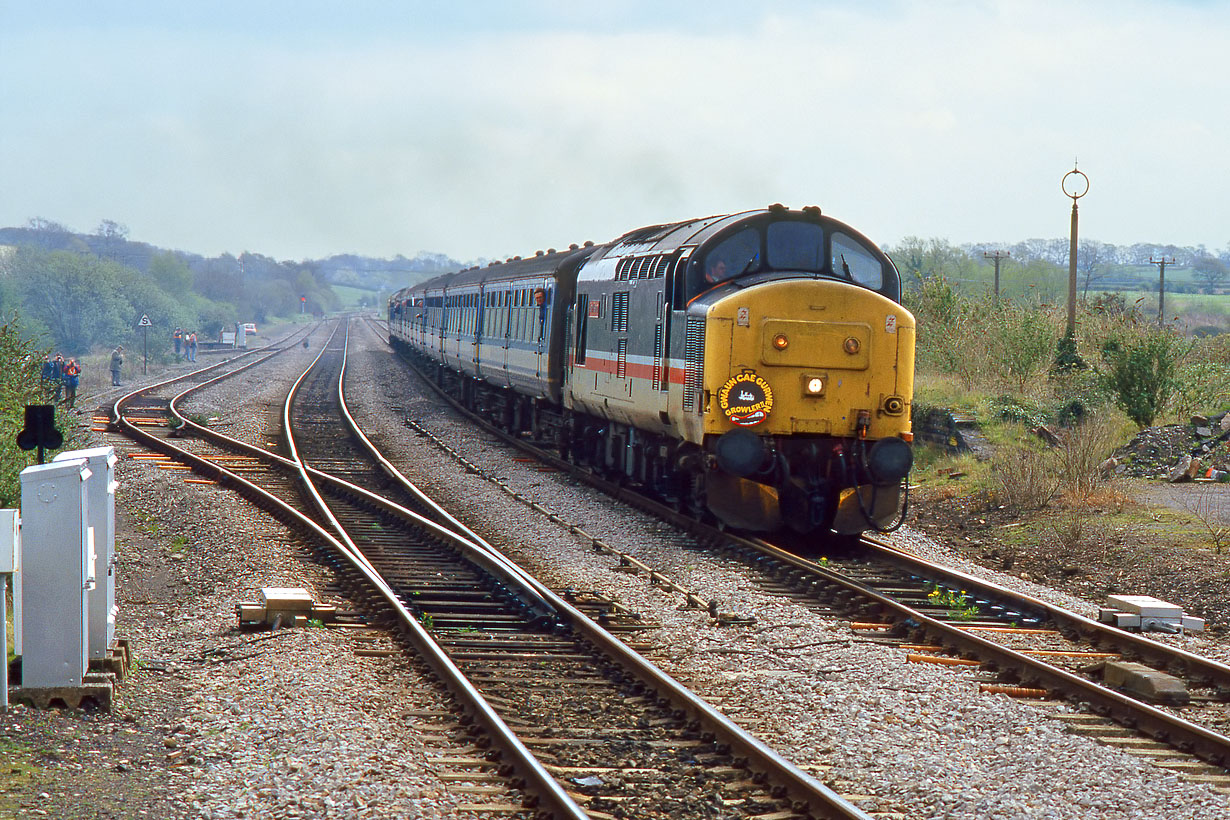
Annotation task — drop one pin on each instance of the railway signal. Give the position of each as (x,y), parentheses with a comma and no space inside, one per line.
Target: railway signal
(40,430)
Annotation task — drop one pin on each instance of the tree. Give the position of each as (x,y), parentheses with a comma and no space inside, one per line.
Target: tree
(1142,367)
(77,297)
(1091,256)
(171,273)
(1054,251)
(20,364)
(112,237)
(1210,270)
(921,259)
(48,234)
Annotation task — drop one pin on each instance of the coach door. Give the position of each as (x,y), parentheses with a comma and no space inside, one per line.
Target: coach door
(540,316)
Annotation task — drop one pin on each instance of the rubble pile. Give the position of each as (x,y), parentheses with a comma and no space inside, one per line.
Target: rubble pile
(1178,452)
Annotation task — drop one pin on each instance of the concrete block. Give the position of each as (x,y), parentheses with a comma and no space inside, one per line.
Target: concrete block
(1141,681)
(1145,606)
(1193,624)
(286,599)
(1126,620)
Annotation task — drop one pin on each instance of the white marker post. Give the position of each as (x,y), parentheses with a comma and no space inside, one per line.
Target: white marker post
(145,324)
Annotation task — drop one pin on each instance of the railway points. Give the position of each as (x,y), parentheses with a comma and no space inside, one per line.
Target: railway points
(769,677)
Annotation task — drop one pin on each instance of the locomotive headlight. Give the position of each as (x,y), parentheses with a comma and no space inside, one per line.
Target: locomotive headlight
(851,345)
(813,384)
(781,342)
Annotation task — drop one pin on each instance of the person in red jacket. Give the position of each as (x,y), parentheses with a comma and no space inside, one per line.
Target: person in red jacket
(72,377)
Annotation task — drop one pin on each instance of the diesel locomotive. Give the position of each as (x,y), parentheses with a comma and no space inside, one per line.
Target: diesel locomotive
(755,368)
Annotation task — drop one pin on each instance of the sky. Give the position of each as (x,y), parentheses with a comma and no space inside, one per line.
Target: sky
(489,128)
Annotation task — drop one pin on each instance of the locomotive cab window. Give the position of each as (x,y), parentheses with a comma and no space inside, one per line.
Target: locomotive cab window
(796,246)
(734,256)
(852,261)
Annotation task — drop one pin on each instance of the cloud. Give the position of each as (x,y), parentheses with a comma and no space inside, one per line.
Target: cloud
(400,128)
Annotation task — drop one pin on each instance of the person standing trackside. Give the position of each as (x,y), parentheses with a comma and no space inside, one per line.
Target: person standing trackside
(178,336)
(57,376)
(192,346)
(48,376)
(72,376)
(117,363)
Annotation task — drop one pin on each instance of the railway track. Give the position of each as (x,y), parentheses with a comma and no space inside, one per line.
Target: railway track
(607,730)
(1033,647)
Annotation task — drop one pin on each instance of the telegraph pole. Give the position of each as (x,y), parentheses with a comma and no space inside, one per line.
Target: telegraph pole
(996,256)
(1161,286)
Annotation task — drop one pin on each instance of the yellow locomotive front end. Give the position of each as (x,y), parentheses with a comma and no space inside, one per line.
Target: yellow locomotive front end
(805,412)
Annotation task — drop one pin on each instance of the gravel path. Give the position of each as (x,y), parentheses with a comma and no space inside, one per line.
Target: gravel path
(220,724)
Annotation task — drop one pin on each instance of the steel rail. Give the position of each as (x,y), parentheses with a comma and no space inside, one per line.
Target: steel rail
(559,804)
(1201,669)
(116,405)
(507,570)
(1204,743)
(802,787)
(548,790)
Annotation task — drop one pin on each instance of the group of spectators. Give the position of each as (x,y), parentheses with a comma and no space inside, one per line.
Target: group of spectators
(61,378)
(185,341)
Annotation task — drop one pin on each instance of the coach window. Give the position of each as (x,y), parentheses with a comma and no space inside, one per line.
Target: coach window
(796,246)
(516,329)
(852,261)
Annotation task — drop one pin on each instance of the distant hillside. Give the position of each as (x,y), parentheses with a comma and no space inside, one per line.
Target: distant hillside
(383,274)
(111,242)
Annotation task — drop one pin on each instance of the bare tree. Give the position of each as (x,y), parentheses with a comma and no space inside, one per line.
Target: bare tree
(112,237)
(47,233)
(1211,271)
(1091,262)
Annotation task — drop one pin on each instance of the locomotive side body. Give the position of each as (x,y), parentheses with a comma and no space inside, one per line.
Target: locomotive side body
(756,368)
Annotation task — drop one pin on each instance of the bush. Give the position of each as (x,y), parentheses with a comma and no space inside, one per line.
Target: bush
(1081,452)
(1023,339)
(1202,387)
(20,365)
(950,331)
(1019,410)
(1026,474)
(1141,369)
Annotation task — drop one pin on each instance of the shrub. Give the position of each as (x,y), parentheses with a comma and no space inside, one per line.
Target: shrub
(1202,387)
(950,331)
(1019,410)
(1023,339)
(1026,474)
(20,364)
(1141,369)
(1081,452)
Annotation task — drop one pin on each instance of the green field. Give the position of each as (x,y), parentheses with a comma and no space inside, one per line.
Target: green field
(351,297)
